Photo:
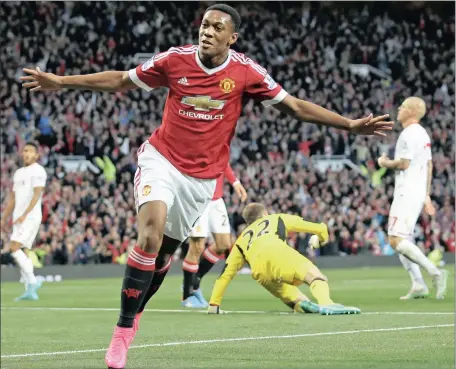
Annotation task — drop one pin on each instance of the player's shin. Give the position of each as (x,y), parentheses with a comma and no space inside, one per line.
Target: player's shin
(189,269)
(413,253)
(413,270)
(207,261)
(138,277)
(161,270)
(162,267)
(25,265)
(320,290)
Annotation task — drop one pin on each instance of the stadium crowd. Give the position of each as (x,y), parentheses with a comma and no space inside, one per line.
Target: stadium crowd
(308,48)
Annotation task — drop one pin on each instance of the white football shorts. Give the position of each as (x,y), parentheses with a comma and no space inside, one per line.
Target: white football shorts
(186,197)
(403,215)
(25,233)
(214,220)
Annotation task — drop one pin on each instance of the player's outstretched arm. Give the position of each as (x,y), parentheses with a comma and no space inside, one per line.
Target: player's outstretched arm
(312,113)
(109,81)
(294,223)
(233,264)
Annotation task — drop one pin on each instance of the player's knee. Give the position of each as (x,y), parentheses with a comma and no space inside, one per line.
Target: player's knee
(151,225)
(14,246)
(394,241)
(150,239)
(196,246)
(221,249)
(222,244)
(315,274)
(319,276)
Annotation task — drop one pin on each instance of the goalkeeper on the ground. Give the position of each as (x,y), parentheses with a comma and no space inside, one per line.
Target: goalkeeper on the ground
(275,265)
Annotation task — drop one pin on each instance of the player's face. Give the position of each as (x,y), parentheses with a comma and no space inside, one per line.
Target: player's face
(216,33)
(399,113)
(29,155)
(402,112)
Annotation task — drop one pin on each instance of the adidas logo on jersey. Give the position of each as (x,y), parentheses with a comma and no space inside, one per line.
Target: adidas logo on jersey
(183,81)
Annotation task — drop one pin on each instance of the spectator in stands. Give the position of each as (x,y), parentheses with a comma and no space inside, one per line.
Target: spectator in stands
(89,217)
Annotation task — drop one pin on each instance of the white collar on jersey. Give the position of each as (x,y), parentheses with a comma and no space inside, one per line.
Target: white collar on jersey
(212,70)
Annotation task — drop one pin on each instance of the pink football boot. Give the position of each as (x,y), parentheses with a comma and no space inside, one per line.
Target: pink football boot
(116,356)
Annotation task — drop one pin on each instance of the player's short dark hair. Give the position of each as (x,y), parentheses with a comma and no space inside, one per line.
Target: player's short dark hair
(33,144)
(235,17)
(252,212)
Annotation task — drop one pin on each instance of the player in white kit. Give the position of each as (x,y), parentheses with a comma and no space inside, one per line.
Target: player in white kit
(215,221)
(25,203)
(413,165)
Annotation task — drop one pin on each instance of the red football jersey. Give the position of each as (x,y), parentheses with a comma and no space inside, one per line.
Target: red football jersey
(203,105)
(230,176)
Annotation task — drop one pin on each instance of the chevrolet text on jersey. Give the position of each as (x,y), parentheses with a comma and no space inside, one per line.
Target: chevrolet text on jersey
(191,114)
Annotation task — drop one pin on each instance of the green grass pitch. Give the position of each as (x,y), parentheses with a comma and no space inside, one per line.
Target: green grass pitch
(71,325)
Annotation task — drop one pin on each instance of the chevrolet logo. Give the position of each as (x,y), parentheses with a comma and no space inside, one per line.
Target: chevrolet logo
(203,103)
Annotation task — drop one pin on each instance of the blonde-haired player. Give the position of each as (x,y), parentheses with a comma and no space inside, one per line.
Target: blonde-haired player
(413,165)
(24,202)
(275,265)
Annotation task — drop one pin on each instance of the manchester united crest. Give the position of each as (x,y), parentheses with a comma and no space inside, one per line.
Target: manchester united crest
(146,190)
(227,85)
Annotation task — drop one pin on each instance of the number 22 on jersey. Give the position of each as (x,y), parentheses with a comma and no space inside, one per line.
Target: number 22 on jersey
(259,230)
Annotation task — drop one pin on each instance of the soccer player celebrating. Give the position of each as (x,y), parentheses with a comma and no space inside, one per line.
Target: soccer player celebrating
(413,165)
(25,203)
(214,220)
(275,265)
(178,165)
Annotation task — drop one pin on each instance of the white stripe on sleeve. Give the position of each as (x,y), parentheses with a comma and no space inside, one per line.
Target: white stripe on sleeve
(135,79)
(279,97)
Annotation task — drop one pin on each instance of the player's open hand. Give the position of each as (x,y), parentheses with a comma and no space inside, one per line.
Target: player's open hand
(382,159)
(429,207)
(323,237)
(36,80)
(240,191)
(371,126)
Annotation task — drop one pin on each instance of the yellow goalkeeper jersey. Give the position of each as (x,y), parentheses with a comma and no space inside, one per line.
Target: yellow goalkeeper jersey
(257,236)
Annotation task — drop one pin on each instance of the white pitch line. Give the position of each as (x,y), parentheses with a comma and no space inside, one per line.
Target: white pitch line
(150,310)
(236,339)
(205,311)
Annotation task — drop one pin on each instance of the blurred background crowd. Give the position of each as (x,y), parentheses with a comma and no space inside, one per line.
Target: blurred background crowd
(317,51)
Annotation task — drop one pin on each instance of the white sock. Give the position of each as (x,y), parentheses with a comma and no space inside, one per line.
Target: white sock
(413,253)
(413,270)
(23,279)
(25,265)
